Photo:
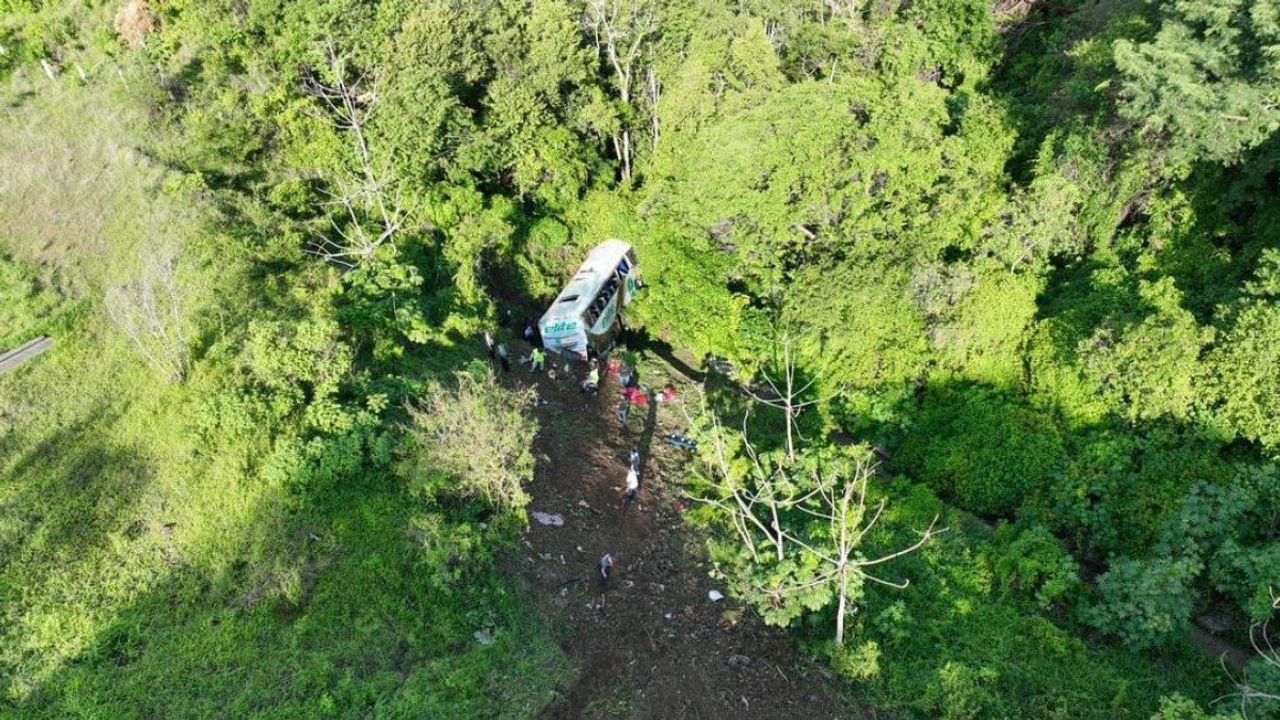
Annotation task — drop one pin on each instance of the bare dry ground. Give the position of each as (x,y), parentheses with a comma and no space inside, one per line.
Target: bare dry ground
(650,643)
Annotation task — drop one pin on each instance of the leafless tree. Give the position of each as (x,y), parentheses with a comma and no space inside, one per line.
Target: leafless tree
(787,391)
(843,506)
(755,502)
(1262,638)
(751,496)
(847,9)
(620,29)
(366,197)
(149,311)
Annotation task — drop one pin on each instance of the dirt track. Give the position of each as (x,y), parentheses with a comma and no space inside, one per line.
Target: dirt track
(650,644)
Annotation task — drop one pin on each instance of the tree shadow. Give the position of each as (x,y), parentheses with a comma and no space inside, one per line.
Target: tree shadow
(1230,219)
(642,341)
(1082,297)
(1055,63)
(645,445)
(72,490)
(300,602)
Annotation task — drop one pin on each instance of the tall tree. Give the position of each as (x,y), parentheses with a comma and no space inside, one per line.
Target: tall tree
(1209,81)
(621,29)
(812,514)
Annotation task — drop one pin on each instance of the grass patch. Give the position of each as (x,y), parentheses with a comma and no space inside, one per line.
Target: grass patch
(148,567)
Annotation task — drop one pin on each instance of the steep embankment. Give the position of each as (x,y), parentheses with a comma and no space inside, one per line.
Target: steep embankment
(650,643)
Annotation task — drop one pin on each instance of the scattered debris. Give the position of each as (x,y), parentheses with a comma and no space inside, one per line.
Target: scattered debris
(556,520)
(681,441)
(715,596)
(484,636)
(739,660)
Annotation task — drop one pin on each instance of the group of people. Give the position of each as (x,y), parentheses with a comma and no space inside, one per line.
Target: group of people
(632,394)
(605,565)
(498,352)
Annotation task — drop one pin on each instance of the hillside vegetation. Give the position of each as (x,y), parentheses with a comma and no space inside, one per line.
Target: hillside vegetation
(1027,256)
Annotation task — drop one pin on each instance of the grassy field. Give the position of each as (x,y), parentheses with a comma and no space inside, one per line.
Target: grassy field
(148,566)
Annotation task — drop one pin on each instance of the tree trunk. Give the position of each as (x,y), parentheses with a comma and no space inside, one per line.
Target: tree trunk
(840,610)
(626,156)
(654,95)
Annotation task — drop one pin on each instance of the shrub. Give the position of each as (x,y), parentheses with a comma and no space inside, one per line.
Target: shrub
(1179,707)
(964,692)
(1036,565)
(1144,602)
(985,451)
(471,440)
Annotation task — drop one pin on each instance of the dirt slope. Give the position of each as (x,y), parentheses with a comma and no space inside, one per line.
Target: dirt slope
(650,644)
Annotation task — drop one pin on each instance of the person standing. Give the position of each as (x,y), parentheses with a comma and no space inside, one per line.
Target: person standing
(635,459)
(592,382)
(605,568)
(633,486)
(488,344)
(538,357)
(504,357)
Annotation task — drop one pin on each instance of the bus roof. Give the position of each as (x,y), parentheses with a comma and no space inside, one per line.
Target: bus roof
(595,270)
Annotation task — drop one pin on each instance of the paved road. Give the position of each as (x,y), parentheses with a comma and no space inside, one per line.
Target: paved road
(12,359)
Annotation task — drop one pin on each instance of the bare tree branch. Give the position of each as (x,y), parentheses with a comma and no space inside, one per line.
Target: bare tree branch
(149,311)
(366,198)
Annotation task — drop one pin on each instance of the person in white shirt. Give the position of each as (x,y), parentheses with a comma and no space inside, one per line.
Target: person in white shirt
(633,486)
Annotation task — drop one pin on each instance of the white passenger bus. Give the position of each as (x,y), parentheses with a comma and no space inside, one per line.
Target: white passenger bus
(585,316)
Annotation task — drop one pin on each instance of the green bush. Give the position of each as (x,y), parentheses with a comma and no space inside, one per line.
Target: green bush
(1034,565)
(983,450)
(1145,603)
(471,441)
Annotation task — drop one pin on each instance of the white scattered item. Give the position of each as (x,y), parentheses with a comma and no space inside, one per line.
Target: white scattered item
(715,596)
(556,520)
(484,637)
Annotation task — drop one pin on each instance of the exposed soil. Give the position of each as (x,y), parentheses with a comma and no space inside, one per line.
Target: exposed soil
(1215,647)
(649,643)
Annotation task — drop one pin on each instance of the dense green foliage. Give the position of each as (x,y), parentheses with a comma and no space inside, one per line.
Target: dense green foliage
(1034,257)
